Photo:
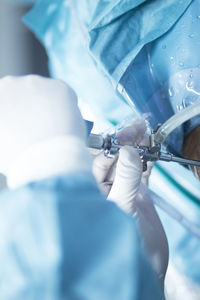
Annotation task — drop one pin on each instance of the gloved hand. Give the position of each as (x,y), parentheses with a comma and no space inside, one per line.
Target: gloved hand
(123,188)
(120,179)
(34,109)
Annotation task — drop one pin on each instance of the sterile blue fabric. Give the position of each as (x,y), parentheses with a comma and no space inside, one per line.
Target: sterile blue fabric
(132,42)
(61,239)
(116,31)
(164,77)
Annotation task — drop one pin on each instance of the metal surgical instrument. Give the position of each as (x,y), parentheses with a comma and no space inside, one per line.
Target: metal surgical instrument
(152,152)
(111,146)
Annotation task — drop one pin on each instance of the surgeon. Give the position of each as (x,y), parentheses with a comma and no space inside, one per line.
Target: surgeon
(59,237)
(149,52)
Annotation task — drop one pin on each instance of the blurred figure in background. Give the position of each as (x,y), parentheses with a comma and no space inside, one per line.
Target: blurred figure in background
(20,52)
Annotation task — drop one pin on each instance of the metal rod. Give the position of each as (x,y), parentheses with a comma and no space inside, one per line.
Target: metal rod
(186,161)
(97,141)
(170,157)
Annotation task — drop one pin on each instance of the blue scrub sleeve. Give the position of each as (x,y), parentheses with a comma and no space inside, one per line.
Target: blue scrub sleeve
(60,239)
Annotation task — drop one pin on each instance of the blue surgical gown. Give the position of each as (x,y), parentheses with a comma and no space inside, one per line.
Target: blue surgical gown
(61,239)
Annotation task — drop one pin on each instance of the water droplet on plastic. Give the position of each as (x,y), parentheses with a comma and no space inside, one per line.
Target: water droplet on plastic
(179,107)
(181,64)
(190,75)
(164,46)
(152,65)
(172,60)
(171,92)
(191,35)
(198,17)
(183,103)
(189,84)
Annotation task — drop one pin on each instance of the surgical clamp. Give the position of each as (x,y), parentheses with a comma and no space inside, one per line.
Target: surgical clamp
(111,146)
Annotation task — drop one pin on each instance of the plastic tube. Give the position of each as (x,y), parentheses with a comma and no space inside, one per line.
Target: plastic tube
(172,212)
(176,120)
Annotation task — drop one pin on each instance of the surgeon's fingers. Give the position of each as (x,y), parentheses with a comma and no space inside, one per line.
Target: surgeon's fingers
(132,134)
(127,179)
(103,167)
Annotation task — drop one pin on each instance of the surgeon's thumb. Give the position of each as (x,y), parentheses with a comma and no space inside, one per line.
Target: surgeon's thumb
(127,179)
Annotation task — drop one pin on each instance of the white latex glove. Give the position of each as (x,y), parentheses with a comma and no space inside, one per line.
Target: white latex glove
(119,183)
(34,109)
(120,180)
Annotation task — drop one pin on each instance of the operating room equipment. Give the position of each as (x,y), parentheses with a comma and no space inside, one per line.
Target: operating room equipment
(153,152)
(176,120)
(110,145)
